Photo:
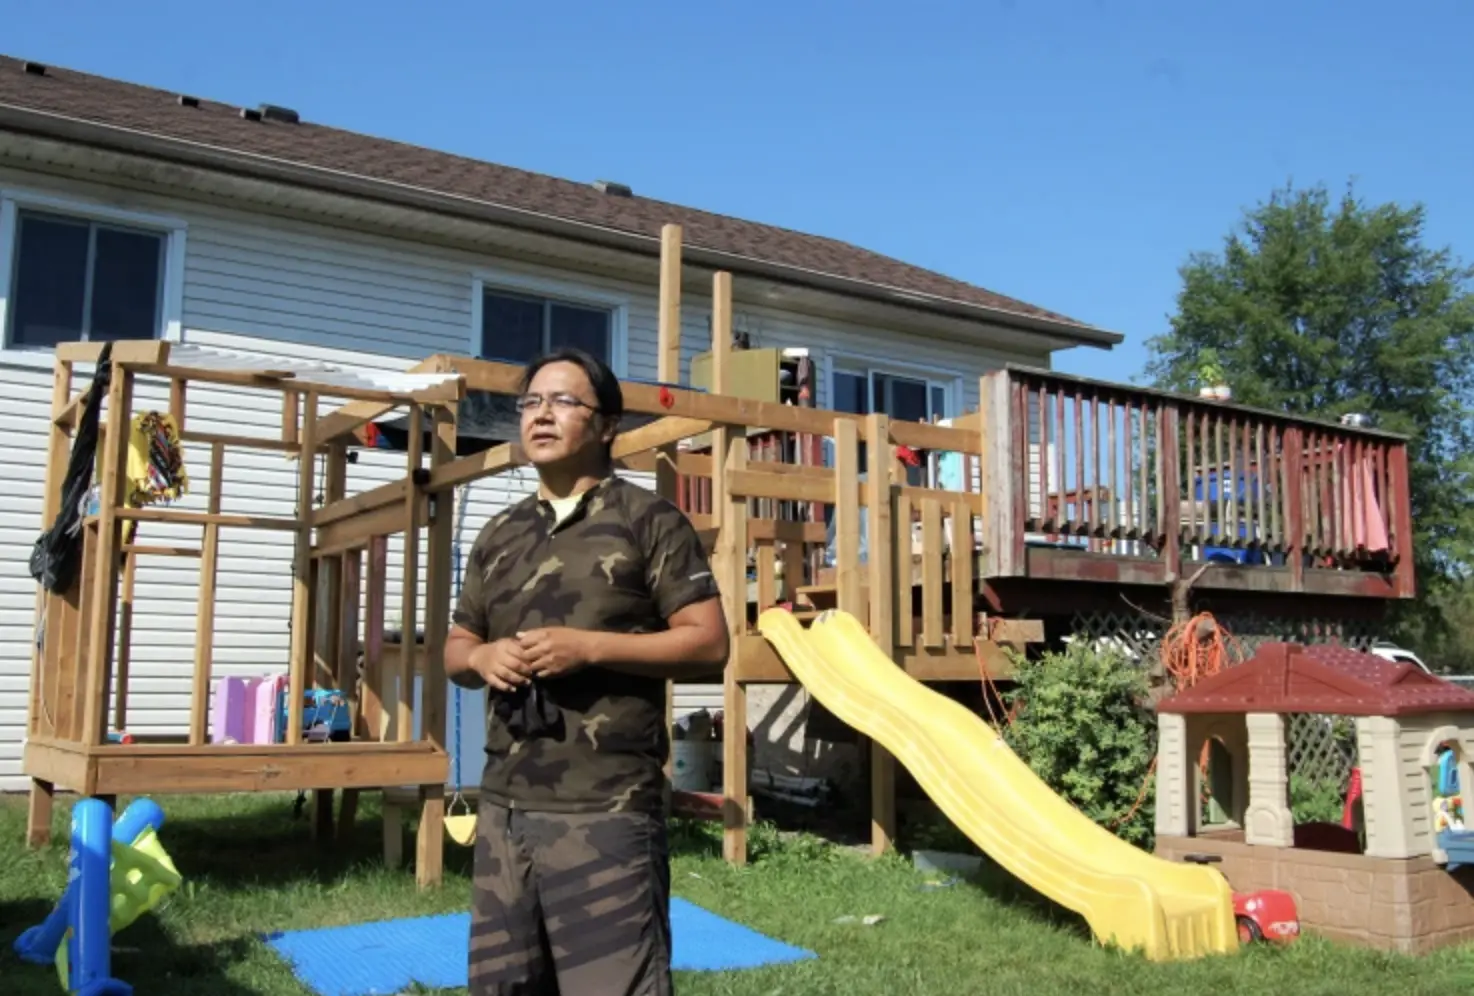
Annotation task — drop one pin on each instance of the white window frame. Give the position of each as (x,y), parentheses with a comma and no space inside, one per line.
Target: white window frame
(863,365)
(14,200)
(857,364)
(558,291)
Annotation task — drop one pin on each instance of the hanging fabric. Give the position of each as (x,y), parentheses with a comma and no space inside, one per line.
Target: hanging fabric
(155,461)
(57,550)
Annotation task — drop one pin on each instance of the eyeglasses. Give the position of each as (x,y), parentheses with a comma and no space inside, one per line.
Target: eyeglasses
(560,402)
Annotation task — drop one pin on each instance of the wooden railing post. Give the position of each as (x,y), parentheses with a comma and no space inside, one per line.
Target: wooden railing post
(1401,521)
(1002,475)
(730,455)
(847,576)
(1293,480)
(302,571)
(103,612)
(889,570)
(1169,469)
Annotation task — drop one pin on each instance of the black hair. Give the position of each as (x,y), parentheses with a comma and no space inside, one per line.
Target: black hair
(608,395)
(607,392)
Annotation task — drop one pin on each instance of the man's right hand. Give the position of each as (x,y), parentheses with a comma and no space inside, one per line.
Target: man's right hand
(503,664)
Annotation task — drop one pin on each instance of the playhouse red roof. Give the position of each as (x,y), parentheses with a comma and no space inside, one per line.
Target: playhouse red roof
(1289,677)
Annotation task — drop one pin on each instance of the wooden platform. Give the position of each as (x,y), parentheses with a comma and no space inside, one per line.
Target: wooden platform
(162,769)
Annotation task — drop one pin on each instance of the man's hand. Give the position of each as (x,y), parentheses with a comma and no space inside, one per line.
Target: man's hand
(503,663)
(556,650)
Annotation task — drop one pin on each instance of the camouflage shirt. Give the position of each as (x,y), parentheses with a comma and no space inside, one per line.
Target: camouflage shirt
(624,560)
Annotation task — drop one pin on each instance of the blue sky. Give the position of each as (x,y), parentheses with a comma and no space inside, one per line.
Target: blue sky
(1070,154)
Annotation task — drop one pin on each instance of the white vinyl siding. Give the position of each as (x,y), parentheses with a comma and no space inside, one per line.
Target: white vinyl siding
(294,288)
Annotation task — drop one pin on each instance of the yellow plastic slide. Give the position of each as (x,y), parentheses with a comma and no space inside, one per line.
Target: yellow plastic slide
(1168,910)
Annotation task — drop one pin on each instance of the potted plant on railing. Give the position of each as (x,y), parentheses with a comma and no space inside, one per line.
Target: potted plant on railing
(1212,382)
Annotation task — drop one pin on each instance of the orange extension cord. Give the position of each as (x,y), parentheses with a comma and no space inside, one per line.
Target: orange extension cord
(1191,651)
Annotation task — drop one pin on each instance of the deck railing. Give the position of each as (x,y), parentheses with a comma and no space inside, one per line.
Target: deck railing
(1141,474)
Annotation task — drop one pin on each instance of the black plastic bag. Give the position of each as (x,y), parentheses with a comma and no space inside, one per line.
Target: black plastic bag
(57,551)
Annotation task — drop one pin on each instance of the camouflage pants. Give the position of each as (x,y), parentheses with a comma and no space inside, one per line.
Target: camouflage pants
(570,904)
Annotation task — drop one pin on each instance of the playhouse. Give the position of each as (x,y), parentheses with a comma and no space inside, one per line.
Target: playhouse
(1385,878)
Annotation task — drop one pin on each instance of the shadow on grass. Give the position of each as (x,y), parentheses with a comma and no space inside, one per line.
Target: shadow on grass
(144,956)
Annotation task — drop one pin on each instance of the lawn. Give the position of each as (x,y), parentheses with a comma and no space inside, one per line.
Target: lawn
(250,866)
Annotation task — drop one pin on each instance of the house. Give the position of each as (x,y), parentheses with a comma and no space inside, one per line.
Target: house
(131,212)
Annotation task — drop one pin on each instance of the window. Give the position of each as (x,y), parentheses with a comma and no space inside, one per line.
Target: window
(78,279)
(516,328)
(903,398)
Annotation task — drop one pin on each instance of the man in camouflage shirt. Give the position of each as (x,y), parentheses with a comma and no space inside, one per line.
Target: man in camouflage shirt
(576,606)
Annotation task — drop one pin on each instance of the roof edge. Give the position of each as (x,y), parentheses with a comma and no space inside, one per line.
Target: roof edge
(233,161)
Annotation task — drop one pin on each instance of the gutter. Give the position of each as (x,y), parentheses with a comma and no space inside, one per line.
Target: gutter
(253,166)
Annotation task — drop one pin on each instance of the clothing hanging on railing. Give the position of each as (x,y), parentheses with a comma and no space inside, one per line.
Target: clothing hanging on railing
(57,550)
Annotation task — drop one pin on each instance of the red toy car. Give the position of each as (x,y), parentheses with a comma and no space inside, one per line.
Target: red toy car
(1268,914)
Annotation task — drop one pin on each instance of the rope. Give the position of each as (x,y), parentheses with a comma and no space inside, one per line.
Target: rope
(1191,651)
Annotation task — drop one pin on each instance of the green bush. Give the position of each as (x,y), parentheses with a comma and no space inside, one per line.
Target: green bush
(1083,725)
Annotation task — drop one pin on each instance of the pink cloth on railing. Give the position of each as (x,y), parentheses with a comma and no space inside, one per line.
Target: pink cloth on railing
(1360,508)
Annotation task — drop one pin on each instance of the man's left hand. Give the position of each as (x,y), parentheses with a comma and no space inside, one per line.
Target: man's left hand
(556,650)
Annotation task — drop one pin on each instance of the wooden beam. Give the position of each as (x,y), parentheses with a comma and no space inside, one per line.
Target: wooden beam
(204,637)
(290,380)
(409,590)
(668,359)
(300,662)
(356,413)
(103,610)
(668,430)
(430,836)
(883,578)
(476,466)
(392,493)
(124,351)
(356,531)
(758,663)
(668,371)
(646,399)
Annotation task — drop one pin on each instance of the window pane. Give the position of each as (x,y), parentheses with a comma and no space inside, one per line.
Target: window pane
(511,328)
(938,401)
(50,282)
(905,399)
(125,285)
(850,394)
(582,328)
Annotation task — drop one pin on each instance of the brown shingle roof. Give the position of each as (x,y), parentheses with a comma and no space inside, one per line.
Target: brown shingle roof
(1321,679)
(157,112)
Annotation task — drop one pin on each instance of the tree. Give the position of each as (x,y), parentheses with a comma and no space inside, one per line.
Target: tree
(1319,309)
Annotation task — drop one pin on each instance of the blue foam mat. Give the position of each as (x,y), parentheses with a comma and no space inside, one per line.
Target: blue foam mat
(377,959)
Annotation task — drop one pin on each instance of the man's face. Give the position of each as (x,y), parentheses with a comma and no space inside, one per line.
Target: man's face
(560,420)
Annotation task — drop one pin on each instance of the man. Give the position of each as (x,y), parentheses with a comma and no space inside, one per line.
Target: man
(576,606)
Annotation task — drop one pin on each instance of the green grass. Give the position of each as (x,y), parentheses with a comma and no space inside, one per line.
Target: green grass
(250,867)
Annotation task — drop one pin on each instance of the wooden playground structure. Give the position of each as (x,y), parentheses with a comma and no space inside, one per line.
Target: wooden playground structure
(941,583)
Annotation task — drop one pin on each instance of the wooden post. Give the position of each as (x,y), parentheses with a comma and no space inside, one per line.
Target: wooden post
(50,609)
(430,845)
(125,635)
(884,577)
(1292,464)
(668,371)
(1001,473)
(404,721)
(729,452)
(376,583)
(204,638)
(847,576)
(327,624)
(101,631)
(668,361)
(348,643)
(302,643)
(1402,521)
